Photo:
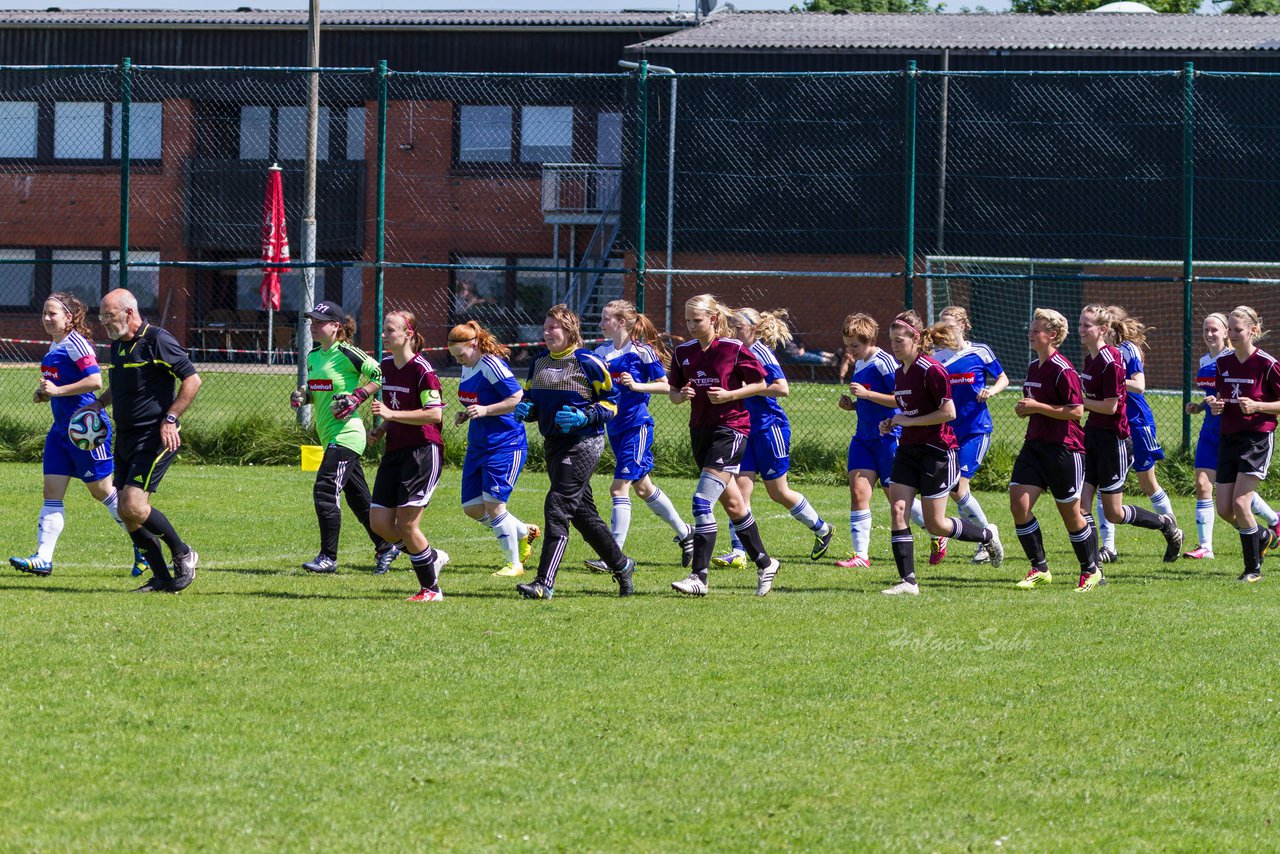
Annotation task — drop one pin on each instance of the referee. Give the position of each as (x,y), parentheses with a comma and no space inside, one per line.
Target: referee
(145,363)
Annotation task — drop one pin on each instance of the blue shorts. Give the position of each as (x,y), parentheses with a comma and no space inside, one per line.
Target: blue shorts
(1146,447)
(768,451)
(490,476)
(1207,449)
(971,453)
(63,458)
(874,455)
(632,452)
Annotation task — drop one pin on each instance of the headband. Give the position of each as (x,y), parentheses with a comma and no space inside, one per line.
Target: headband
(63,304)
(916,332)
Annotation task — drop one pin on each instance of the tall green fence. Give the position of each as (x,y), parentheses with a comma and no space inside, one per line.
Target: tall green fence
(490,197)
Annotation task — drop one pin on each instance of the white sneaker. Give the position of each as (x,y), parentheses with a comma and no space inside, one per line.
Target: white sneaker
(995,548)
(765,577)
(981,555)
(691,586)
(442,560)
(903,588)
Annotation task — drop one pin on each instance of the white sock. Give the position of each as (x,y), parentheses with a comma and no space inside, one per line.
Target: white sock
(860,530)
(972,510)
(917,513)
(804,513)
(112,503)
(662,507)
(1106,531)
(52,521)
(1160,501)
(522,530)
(1204,522)
(506,529)
(620,522)
(1263,511)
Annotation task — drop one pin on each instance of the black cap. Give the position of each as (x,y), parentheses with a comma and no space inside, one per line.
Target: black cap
(327,311)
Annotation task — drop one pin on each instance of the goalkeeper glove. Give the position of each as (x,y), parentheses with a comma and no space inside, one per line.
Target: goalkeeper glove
(569,419)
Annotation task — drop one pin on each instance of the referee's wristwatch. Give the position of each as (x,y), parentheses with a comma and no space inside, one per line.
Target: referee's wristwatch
(171,419)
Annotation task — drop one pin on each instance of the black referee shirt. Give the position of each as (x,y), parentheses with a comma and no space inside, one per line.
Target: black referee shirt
(145,372)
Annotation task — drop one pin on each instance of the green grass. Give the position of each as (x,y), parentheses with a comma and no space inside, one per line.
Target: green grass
(265,709)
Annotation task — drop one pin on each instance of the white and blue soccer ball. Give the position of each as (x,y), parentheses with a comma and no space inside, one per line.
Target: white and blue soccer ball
(87,430)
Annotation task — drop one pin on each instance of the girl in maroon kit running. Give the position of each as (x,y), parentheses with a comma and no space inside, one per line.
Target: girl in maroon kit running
(1248,399)
(411,410)
(715,374)
(926,459)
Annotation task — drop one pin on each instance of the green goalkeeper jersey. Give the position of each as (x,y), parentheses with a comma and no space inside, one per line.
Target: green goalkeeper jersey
(340,369)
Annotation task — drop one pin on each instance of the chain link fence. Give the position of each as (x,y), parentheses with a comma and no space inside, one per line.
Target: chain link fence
(490,197)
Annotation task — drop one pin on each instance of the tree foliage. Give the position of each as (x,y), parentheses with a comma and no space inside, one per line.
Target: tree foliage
(1248,7)
(1184,7)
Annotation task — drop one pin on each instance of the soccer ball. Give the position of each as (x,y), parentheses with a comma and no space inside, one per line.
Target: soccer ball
(87,430)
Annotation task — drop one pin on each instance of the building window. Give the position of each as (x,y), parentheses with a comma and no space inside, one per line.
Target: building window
(144,282)
(90,273)
(21,121)
(83,129)
(145,137)
(532,135)
(510,303)
(291,133)
(17,280)
(355,133)
(280,133)
(77,130)
(484,134)
(546,134)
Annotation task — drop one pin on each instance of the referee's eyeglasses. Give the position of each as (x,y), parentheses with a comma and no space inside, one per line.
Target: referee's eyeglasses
(108,318)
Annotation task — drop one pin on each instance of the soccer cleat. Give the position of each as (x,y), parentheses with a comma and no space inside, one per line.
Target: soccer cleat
(596,565)
(1089,581)
(765,575)
(854,562)
(510,570)
(730,560)
(625,578)
(691,586)
(822,542)
(1107,555)
(686,548)
(981,555)
(322,565)
(1199,553)
(937,550)
(1249,576)
(534,590)
(140,564)
(1173,538)
(154,585)
(426,594)
(1266,541)
(184,571)
(34,565)
(995,548)
(526,545)
(903,588)
(1035,578)
(383,559)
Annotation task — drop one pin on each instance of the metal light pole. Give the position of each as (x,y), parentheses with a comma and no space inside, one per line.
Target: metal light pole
(309,202)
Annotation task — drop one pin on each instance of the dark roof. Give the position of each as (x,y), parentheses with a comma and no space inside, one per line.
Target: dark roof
(810,31)
(344,19)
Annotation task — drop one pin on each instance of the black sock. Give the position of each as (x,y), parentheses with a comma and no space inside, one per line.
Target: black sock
(424,566)
(968,532)
(159,524)
(749,534)
(1252,549)
(1141,517)
(1084,543)
(704,543)
(904,553)
(154,552)
(1033,544)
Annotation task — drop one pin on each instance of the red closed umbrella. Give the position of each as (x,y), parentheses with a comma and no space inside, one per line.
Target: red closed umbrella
(275,240)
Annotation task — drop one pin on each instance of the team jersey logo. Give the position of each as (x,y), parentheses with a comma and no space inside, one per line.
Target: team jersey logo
(319,385)
(962,379)
(49,372)
(468,398)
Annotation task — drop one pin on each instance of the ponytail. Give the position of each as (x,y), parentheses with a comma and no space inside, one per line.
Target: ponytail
(488,345)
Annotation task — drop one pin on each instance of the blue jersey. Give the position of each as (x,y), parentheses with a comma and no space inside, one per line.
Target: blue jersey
(490,381)
(766,411)
(969,369)
(1136,404)
(642,362)
(577,379)
(68,361)
(1207,382)
(876,374)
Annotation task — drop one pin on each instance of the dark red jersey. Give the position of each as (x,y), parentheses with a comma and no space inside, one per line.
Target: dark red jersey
(728,364)
(1103,377)
(415,386)
(1056,383)
(921,388)
(1257,378)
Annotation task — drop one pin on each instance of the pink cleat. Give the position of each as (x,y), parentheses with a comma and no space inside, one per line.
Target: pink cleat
(937,550)
(855,562)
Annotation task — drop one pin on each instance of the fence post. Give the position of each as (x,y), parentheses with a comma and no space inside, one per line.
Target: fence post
(642,181)
(380,250)
(1188,234)
(126,98)
(909,188)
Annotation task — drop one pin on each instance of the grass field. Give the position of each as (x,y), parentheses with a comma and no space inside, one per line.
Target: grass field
(265,709)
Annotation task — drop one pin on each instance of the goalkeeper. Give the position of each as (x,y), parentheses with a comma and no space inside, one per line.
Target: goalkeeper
(570,395)
(340,377)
